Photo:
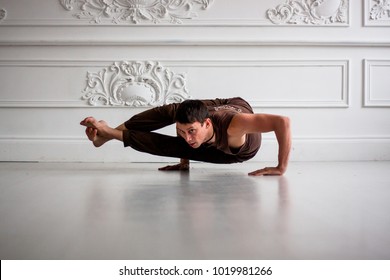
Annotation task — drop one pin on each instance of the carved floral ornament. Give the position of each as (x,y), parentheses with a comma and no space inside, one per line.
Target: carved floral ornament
(310,12)
(135,84)
(136,11)
(380,9)
(3,14)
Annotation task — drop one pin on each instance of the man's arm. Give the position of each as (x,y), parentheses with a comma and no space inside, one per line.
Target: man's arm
(253,123)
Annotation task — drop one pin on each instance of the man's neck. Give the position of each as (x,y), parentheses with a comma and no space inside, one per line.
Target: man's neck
(211,133)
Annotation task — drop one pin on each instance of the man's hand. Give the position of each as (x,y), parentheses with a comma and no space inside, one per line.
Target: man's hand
(268,171)
(184,165)
(178,167)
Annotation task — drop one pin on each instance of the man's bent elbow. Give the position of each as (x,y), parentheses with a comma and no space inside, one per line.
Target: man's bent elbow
(284,122)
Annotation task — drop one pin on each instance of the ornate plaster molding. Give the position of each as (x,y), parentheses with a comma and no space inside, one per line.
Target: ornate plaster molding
(3,15)
(135,84)
(380,10)
(310,12)
(136,11)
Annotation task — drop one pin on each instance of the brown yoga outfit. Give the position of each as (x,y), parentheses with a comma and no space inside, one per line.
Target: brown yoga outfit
(140,135)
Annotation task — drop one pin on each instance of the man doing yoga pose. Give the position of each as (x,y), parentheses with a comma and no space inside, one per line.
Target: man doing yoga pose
(215,131)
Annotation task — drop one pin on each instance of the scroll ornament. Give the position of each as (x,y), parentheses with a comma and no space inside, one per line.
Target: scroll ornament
(310,12)
(380,10)
(135,84)
(3,14)
(136,11)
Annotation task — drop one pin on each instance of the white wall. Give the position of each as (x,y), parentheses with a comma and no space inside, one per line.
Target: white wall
(327,68)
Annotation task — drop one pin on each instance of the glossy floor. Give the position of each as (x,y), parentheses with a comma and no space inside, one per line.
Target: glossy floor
(132,211)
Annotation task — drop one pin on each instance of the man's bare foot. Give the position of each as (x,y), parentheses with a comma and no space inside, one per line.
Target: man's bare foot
(92,131)
(93,136)
(91,122)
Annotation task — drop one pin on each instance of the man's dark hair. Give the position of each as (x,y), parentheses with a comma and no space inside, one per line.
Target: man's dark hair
(190,111)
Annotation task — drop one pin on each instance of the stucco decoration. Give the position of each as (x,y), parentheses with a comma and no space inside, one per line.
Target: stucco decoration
(3,15)
(380,9)
(135,84)
(310,12)
(136,11)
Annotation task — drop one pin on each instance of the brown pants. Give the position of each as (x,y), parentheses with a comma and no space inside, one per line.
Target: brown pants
(140,135)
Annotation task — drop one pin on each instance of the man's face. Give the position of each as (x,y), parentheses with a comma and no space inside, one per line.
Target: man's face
(194,133)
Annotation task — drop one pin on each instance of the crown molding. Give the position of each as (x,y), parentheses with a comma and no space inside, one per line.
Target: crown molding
(231,22)
(271,43)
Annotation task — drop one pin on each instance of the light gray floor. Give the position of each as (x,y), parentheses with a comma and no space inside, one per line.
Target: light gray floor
(133,211)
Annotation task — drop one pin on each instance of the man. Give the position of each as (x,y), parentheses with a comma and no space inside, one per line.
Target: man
(216,131)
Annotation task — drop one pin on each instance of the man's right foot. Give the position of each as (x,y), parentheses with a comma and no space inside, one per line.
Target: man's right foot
(92,131)
(93,136)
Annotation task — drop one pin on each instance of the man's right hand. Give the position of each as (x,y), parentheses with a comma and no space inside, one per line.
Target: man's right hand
(184,165)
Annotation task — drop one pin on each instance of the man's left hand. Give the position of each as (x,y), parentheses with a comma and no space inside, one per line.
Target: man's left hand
(268,171)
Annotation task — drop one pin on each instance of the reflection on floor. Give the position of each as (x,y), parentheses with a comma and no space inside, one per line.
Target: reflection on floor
(133,211)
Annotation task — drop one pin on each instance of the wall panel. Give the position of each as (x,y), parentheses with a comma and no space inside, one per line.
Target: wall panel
(302,83)
(324,65)
(377,89)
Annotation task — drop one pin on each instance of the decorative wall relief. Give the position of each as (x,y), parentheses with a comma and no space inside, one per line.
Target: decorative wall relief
(136,11)
(310,12)
(3,15)
(135,84)
(380,10)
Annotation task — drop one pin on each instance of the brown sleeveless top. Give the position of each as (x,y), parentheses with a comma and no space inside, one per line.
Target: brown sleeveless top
(221,116)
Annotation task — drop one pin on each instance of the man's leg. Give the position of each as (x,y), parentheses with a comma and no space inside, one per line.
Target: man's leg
(136,133)
(153,119)
(176,147)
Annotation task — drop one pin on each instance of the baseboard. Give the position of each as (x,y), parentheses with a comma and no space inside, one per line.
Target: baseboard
(80,150)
